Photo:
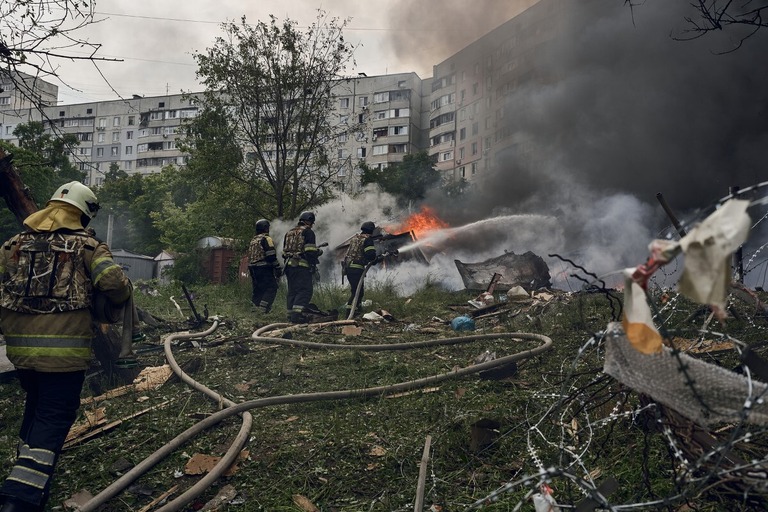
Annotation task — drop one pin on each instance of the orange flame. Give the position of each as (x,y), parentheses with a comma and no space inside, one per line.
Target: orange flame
(421,222)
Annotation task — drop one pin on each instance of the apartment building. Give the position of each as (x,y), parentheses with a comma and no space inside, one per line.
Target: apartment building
(458,115)
(138,134)
(469,91)
(19,96)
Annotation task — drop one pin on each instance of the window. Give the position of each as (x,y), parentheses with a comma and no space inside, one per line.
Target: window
(475,88)
(344,103)
(463,172)
(128,150)
(5,100)
(380,150)
(127,165)
(343,153)
(380,114)
(129,134)
(381,97)
(171,144)
(82,166)
(342,137)
(402,84)
(474,148)
(360,118)
(474,128)
(362,101)
(102,122)
(157,130)
(99,151)
(115,136)
(191,112)
(474,168)
(462,133)
(141,148)
(161,104)
(101,137)
(61,113)
(143,132)
(398,130)
(360,152)
(115,121)
(461,153)
(131,120)
(71,122)
(171,114)
(89,111)
(343,118)
(360,136)
(85,136)
(169,130)
(115,151)
(446,155)
(155,116)
(84,151)
(86,122)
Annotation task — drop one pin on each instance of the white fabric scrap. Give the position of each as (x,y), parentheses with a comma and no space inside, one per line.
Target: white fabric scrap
(708,248)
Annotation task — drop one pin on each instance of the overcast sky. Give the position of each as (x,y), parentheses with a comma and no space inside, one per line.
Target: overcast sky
(156,39)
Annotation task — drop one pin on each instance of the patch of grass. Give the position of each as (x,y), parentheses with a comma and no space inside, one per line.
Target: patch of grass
(557,411)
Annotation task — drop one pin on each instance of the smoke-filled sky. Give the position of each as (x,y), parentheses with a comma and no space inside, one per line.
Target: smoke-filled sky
(632,113)
(156,40)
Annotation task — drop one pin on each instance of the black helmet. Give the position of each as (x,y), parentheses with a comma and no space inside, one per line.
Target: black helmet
(367,227)
(262,226)
(307,217)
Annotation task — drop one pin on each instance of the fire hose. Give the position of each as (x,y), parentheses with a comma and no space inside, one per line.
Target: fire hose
(237,408)
(362,280)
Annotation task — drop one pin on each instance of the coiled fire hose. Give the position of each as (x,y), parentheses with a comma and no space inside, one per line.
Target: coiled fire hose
(236,408)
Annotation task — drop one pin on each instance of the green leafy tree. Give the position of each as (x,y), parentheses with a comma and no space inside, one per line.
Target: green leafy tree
(408,180)
(43,165)
(137,204)
(266,127)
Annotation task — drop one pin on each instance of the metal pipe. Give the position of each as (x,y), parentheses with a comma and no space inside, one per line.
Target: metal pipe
(680,229)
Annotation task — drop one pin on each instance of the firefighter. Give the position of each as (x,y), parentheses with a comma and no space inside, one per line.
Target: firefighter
(301,256)
(49,275)
(360,253)
(263,266)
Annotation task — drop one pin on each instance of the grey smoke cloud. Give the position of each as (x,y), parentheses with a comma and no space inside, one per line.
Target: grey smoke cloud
(631,112)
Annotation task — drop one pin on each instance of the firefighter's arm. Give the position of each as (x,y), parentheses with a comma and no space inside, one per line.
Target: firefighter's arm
(107,276)
(369,251)
(311,252)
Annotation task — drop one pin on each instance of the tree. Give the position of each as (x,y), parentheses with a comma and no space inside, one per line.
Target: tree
(408,180)
(42,163)
(35,35)
(267,123)
(718,15)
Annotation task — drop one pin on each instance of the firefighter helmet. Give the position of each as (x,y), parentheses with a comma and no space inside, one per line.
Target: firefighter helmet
(307,217)
(77,194)
(262,226)
(367,227)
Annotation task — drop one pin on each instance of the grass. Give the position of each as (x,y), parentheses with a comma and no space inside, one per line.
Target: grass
(558,411)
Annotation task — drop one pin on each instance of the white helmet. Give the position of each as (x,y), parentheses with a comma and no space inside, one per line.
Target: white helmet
(79,195)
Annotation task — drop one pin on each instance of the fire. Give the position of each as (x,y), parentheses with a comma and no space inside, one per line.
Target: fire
(422,222)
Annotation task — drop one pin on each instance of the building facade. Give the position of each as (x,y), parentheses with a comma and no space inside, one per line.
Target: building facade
(458,115)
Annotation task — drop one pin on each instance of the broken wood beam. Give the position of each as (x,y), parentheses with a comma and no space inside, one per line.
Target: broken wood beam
(418,504)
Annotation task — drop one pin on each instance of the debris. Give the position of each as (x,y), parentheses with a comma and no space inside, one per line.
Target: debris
(201,464)
(482,300)
(419,503)
(463,323)
(225,495)
(304,504)
(78,500)
(518,294)
(351,330)
(373,316)
(483,433)
(377,451)
(149,506)
(485,357)
(407,393)
(527,270)
(543,501)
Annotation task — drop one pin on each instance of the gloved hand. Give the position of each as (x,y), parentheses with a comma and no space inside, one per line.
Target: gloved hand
(278,272)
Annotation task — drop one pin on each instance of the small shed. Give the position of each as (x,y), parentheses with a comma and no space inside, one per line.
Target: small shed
(218,254)
(163,262)
(137,267)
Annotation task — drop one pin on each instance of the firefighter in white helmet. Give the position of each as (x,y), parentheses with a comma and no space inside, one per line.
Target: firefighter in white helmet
(48,275)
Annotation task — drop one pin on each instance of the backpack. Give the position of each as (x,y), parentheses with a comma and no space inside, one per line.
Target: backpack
(48,274)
